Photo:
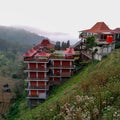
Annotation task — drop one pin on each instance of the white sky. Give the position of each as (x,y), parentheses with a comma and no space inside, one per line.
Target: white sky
(69,16)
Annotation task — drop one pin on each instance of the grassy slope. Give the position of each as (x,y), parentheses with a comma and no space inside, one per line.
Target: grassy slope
(98,79)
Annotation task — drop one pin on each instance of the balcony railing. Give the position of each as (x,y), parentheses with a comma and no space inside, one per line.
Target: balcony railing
(62,67)
(37,96)
(37,60)
(37,79)
(36,70)
(68,74)
(38,87)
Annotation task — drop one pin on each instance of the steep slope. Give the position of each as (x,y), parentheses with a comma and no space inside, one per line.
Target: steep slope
(93,94)
(19,35)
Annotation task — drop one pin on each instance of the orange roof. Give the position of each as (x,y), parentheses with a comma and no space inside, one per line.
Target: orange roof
(69,51)
(99,27)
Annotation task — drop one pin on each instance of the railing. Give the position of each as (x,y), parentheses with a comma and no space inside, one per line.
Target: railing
(36,59)
(61,66)
(66,74)
(31,79)
(35,69)
(36,97)
(87,54)
(38,87)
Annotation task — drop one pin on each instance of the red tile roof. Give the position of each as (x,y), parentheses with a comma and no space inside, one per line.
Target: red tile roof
(99,27)
(69,51)
(117,30)
(44,43)
(43,54)
(30,53)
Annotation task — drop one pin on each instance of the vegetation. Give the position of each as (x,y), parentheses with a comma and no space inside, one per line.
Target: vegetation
(10,58)
(93,94)
(62,46)
(11,73)
(90,42)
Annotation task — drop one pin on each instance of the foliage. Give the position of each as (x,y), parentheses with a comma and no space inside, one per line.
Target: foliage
(90,42)
(62,45)
(57,45)
(117,45)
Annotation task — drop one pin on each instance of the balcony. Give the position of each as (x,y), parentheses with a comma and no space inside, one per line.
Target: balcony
(36,70)
(66,74)
(56,75)
(41,96)
(38,87)
(37,79)
(36,60)
(62,67)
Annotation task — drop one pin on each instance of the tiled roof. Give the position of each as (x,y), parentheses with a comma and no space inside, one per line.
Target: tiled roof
(99,27)
(42,54)
(117,30)
(44,43)
(30,53)
(69,51)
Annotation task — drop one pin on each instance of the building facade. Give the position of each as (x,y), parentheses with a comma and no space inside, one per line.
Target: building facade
(105,39)
(45,70)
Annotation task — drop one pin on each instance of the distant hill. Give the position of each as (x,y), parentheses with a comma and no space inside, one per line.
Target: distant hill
(54,36)
(19,35)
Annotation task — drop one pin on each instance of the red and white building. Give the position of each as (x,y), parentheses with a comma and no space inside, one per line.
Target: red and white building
(46,69)
(105,39)
(62,66)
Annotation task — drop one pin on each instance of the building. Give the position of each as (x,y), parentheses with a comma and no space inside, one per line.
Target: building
(45,70)
(117,34)
(104,37)
(62,66)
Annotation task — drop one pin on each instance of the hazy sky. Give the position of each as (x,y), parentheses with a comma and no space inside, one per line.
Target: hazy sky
(67,16)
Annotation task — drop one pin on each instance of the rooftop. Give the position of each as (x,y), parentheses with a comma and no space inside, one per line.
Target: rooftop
(99,27)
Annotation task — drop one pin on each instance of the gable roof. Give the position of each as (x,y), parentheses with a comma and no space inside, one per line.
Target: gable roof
(99,27)
(69,51)
(30,53)
(44,43)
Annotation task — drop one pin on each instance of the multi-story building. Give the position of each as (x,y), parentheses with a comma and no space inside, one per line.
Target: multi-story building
(62,66)
(104,37)
(44,70)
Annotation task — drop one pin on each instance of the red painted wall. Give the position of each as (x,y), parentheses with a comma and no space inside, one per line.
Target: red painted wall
(41,65)
(33,83)
(33,93)
(32,65)
(32,74)
(66,63)
(41,91)
(40,74)
(57,71)
(65,70)
(56,63)
(56,79)
(41,83)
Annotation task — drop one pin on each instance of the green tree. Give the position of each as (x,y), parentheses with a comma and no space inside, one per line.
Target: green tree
(90,43)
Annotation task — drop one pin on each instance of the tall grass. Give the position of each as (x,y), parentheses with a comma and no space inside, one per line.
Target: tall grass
(93,94)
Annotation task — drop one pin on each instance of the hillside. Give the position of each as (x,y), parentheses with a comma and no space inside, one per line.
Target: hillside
(92,94)
(19,35)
